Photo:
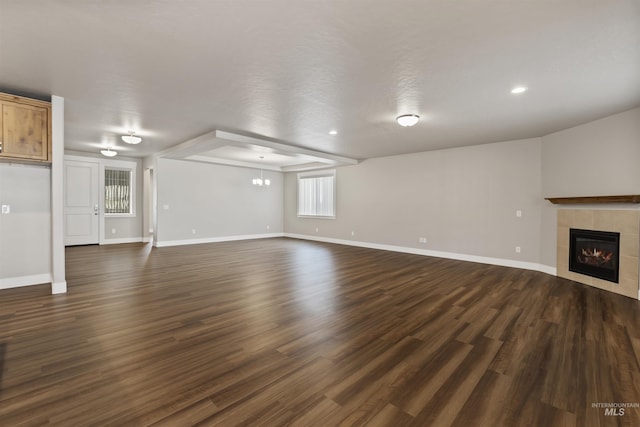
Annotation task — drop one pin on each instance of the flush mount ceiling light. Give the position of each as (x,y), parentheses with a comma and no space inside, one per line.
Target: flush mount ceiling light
(407,120)
(333,132)
(109,152)
(132,138)
(519,89)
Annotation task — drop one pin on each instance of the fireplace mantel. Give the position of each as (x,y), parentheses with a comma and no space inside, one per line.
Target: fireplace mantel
(593,199)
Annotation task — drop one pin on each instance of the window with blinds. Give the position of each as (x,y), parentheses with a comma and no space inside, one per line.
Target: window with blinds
(117,191)
(316,194)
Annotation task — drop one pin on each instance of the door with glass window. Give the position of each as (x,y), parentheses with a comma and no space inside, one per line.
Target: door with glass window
(81,203)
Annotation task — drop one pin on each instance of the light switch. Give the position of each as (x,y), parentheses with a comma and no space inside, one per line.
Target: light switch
(6,209)
(519,213)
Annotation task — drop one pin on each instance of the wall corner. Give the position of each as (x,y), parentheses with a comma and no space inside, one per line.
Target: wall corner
(58,282)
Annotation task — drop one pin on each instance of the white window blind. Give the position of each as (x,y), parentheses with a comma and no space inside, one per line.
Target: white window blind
(316,194)
(117,191)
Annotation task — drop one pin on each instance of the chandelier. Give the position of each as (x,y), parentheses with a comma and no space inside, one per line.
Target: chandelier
(261,181)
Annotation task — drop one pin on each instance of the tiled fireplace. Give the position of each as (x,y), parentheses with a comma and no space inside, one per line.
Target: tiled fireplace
(595,253)
(600,248)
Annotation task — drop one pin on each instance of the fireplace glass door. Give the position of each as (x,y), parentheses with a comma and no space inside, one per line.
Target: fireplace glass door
(594,253)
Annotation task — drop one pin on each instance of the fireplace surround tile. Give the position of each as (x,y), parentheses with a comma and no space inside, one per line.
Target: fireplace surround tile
(629,245)
(565,218)
(582,219)
(602,284)
(625,222)
(628,267)
(563,235)
(599,283)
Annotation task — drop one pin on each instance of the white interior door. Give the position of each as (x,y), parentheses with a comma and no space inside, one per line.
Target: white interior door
(81,203)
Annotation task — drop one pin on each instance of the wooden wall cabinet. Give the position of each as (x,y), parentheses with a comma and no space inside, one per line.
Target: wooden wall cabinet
(25,129)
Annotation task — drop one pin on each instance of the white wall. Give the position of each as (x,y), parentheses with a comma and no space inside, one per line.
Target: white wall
(58,256)
(599,158)
(219,202)
(462,200)
(25,233)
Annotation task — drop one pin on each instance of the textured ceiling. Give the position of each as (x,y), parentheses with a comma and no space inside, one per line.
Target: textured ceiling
(290,71)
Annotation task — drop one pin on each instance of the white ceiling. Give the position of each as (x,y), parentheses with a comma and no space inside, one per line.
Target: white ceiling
(290,71)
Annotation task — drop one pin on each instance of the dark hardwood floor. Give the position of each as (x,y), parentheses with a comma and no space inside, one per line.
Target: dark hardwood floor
(289,332)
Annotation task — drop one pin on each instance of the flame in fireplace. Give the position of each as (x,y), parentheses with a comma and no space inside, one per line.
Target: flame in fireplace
(595,256)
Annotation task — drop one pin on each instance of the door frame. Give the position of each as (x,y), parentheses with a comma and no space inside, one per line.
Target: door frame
(149,217)
(102,163)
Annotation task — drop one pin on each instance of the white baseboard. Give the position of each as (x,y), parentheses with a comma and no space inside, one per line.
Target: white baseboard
(216,239)
(438,254)
(147,239)
(122,240)
(59,288)
(548,269)
(16,282)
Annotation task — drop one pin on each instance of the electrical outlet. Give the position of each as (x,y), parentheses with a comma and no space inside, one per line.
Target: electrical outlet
(268,227)
(519,213)
(517,249)
(353,233)
(6,209)
(422,240)
(316,229)
(193,231)
(165,207)
(113,231)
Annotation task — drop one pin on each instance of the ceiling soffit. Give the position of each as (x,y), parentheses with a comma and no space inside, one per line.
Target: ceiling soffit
(226,148)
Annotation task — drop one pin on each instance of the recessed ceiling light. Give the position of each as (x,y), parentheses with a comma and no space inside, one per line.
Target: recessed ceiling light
(132,138)
(519,89)
(109,152)
(333,132)
(408,119)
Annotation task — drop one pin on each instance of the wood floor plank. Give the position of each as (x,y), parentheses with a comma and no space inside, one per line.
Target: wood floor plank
(445,405)
(486,403)
(281,331)
(426,382)
(390,416)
